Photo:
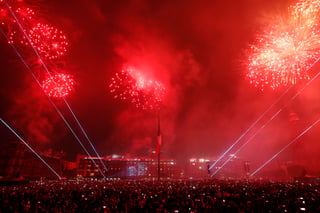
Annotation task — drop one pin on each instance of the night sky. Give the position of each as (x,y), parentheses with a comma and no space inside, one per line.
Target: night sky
(197,49)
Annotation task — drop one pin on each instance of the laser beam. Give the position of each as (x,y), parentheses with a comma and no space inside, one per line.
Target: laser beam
(276,114)
(263,114)
(85,134)
(294,97)
(309,82)
(30,148)
(243,145)
(53,104)
(47,70)
(284,148)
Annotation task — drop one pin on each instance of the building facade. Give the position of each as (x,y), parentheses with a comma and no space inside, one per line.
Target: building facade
(16,161)
(122,167)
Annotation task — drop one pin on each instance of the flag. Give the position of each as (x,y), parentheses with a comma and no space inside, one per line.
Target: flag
(158,145)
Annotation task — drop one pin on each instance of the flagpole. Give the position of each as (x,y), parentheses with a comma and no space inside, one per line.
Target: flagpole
(159,144)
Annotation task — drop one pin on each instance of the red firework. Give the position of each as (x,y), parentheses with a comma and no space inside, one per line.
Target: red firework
(283,54)
(58,86)
(5,17)
(25,17)
(306,11)
(49,41)
(4,14)
(23,14)
(129,84)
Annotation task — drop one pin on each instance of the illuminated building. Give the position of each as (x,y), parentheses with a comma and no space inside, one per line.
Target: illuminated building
(122,167)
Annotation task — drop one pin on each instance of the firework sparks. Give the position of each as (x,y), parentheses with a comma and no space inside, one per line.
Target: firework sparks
(49,41)
(283,54)
(23,14)
(306,11)
(129,84)
(25,17)
(58,86)
(3,15)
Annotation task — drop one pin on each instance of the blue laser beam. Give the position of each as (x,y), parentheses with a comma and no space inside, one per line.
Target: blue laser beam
(284,148)
(243,145)
(47,70)
(30,148)
(53,104)
(293,98)
(309,82)
(237,141)
(85,134)
(26,35)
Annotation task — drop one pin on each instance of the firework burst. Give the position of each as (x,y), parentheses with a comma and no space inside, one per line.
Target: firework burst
(58,86)
(129,84)
(49,41)
(8,20)
(25,14)
(25,17)
(283,54)
(306,12)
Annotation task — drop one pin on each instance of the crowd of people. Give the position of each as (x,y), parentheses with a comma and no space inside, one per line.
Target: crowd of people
(164,196)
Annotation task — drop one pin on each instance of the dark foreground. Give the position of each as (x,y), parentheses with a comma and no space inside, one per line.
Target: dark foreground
(166,196)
